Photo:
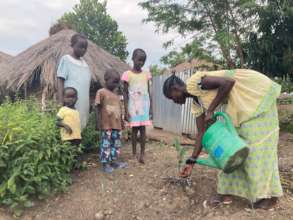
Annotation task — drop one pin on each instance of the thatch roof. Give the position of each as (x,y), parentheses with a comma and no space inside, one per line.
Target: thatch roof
(4,57)
(41,61)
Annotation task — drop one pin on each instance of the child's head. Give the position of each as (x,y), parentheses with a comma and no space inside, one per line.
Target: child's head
(112,79)
(138,57)
(174,88)
(69,96)
(79,45)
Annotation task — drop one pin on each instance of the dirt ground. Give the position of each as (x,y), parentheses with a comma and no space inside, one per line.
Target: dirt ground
(141,192)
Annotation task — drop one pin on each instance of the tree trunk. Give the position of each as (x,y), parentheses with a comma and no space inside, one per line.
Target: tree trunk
(225,51)
(239,49)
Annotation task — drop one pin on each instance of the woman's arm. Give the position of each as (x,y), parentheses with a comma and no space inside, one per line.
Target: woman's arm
(200,132)
(126,98)
(224,86)
(60,87)
(197,149)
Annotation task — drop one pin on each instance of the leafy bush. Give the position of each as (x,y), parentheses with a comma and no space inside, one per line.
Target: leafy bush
(33,161)
(287,86)
(286,118)
(90,137)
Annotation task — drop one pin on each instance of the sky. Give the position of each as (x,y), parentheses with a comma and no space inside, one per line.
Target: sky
(23,23)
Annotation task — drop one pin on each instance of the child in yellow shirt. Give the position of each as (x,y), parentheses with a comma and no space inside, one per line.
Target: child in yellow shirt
(68,118)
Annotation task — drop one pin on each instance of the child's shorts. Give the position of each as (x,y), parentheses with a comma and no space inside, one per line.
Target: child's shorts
(110,144)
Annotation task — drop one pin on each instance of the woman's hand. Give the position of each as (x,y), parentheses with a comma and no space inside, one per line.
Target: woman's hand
(187,170)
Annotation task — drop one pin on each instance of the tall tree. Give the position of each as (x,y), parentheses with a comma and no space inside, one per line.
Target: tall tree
(225,22)
(270,49)
(90,17)
(190,51)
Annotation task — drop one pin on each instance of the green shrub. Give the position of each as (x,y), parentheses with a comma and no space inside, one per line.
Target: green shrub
(90,137)
(33,161)
(287,86)
(286,119)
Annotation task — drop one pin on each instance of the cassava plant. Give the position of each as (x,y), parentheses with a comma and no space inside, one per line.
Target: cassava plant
(34,163)
(90,137)
(181,152)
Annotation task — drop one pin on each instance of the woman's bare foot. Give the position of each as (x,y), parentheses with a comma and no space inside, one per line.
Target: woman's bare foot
(227,200)
(217,200)
(266,204)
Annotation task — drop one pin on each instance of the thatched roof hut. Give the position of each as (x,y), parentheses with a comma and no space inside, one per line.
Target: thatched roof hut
(34,70)
(4,57)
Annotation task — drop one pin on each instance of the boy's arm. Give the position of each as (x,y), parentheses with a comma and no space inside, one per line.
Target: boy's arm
(60,124)
(98,116)
(60,87)
(126,99)
(121,115)
(151,103)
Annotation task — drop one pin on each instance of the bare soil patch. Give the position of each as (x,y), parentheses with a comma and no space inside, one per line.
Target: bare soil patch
(145,192)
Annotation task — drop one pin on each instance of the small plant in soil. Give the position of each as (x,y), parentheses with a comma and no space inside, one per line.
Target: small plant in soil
(175,180)
(181,152)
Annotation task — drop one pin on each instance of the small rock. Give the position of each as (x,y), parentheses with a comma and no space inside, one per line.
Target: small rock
(99,216)
(248,210)
(147,204)
(108,212)
(226,212)
(189,191)
(140,205)
(210,214)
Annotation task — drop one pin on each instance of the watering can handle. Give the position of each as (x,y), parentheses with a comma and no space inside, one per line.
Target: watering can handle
(228,122)
(207,162)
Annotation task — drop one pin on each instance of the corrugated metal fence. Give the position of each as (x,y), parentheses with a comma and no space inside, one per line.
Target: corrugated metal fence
(168,115)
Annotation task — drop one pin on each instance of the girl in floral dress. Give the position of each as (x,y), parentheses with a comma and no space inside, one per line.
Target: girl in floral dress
(137,100)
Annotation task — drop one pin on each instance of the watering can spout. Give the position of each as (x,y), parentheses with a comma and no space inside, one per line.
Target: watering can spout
(209,162)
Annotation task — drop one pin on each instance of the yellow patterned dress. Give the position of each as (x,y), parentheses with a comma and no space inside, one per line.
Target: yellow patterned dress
(252,107)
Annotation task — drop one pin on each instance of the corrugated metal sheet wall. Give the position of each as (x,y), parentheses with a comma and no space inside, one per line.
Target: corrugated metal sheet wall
(168,115)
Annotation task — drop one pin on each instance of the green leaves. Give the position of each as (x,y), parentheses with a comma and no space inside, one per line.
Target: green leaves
(225,24)
(90,17)
(90,137)
(33,161)
(192,50)
(270,49)
(181,152)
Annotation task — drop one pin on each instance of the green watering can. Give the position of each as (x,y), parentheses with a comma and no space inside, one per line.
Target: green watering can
(227,151)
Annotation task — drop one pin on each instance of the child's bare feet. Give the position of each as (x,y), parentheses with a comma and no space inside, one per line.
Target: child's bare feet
(141,159)
(133,157)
